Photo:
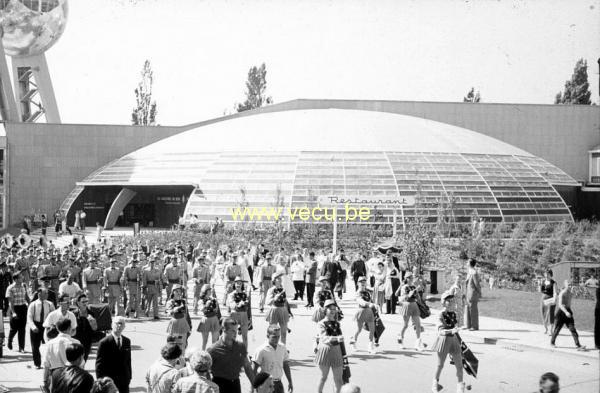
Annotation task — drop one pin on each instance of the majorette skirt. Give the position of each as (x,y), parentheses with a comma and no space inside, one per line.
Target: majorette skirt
(447,345)
(178,326)
(329,355)
(240,317)
(409,309)
(364,315)
(209,325)
(278,315)
(318,314)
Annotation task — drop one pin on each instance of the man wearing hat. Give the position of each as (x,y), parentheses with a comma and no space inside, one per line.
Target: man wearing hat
(51,296)
(265,276)
(52,271)
(90,280)
(152,286)
(112,283)
(131,283)
(201,276)
(173,275)
(238,303)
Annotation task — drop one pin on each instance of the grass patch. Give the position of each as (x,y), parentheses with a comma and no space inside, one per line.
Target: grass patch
(524,306)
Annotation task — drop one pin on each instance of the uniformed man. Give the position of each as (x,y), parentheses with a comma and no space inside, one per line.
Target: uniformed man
(52,271)
(232,270)
(201,276)
(152,286)
(131,283)
(173,275)
(22,265)
(91,282)
(112,283)
(266,271)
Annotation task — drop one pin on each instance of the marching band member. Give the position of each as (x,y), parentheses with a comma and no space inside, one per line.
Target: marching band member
(112,283)
(238,303)
(279,313)
(180,324)
(131,283)
(407,294)
(329,353)
(201,276)
(364,314)
(447,342)
(209,320)
(321,297)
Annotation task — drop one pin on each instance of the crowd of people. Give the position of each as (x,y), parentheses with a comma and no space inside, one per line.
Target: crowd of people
(50,291)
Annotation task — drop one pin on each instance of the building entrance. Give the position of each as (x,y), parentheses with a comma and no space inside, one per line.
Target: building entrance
(144,213)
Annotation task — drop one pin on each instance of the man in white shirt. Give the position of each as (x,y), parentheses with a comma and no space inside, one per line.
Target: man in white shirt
(273,358)
(69,287)
(36,315)
(55,355)
(298,271)
(372,267)
(62,312)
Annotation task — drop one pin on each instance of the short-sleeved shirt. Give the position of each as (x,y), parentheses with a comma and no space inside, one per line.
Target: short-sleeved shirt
(271,359)
(56,315)
(195,384)
(17,294)
(227,361)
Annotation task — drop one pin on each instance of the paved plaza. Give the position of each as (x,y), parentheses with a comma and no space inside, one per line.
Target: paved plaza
(512,356)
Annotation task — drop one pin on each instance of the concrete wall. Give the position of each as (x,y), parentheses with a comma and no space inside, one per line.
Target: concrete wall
(46,160)
(561,134)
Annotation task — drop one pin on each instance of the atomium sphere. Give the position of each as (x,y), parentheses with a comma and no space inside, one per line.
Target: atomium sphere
(31,26)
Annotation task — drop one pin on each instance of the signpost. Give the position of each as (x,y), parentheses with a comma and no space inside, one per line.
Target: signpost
(336,201)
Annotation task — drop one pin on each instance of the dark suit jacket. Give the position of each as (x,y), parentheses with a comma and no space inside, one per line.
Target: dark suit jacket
(112,361)
(311,273)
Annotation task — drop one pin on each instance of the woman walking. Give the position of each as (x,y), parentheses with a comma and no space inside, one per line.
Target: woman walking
(329,353)
(279,312)
(238,303)
(549,290)
(392,284)
(379,286)
(180,324)
(210,313)
(409,311)
(448,342)
(365,314)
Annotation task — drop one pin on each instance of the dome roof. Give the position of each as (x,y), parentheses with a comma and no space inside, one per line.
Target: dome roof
(331,130)
(291,158)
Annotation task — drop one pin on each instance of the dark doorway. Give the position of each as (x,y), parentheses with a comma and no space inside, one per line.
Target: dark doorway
(143,213)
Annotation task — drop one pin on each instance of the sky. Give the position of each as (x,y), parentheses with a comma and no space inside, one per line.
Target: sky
(427,50)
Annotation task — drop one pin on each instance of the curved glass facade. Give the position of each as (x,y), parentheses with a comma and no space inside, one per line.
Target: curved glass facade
(489,180)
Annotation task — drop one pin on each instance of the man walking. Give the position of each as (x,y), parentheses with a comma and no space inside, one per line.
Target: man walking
(90,281)
(229,357)
(112,281)
(564,316)
(358,269)
(114,356)
(273,358)
(131,283)
(473,289)
(55,355)
(16,293)
(36,314)
(311,279)
(151,285)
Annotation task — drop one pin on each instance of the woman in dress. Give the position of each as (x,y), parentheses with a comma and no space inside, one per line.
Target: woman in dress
(407,295)
(180,324)
(365,314)
(238,303)
(279,311)
(321,297)
(329,353)
(209,319)
(549,290)
(379,286)
(447,342)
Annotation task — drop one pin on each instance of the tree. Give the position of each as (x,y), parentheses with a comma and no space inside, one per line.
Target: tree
(256,87)
(144,112)
(472,96)
(577,90)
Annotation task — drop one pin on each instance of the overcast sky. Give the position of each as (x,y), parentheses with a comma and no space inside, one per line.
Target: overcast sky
(512,51)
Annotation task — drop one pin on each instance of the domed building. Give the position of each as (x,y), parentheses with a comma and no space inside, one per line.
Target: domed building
(310,157)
